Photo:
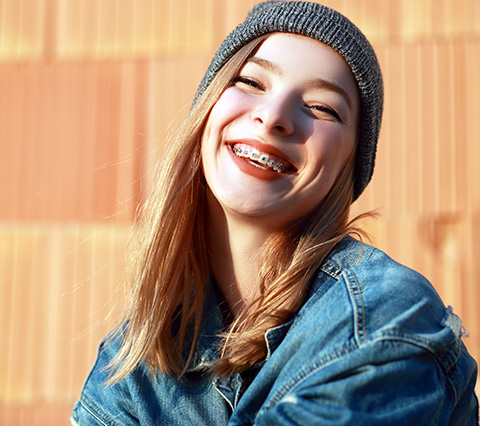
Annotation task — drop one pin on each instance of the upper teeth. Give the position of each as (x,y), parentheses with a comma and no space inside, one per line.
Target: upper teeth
(261,158)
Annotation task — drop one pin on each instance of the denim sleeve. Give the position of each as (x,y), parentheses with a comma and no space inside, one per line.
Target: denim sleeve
(100,404)
(404,391)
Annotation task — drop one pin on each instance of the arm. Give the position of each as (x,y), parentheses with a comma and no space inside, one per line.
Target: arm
(410,390)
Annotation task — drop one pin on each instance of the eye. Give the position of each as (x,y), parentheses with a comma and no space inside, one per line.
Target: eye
(247,81)
(319,108)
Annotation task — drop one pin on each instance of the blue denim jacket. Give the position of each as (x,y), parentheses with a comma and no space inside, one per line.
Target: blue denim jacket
(372,345)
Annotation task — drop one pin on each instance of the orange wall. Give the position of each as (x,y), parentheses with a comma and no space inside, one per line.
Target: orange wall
(88,91)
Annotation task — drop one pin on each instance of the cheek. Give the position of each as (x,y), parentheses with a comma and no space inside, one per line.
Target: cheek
(216,120)
(231,104)
(333,143)
(204,142)
(214,124)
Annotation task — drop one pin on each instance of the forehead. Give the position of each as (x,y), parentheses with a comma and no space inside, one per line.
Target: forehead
(305,57)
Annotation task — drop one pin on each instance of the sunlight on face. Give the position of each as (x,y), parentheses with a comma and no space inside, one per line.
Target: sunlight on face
(278,137)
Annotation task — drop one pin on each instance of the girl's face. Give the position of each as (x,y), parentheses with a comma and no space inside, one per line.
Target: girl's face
(280,134)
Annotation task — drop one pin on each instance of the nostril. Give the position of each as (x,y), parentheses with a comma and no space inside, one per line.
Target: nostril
(277,123)
(281,129)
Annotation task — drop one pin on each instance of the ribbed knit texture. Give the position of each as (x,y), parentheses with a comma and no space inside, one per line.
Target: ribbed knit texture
(335,30)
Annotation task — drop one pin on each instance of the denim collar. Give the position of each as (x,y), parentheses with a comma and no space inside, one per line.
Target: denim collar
(211,327)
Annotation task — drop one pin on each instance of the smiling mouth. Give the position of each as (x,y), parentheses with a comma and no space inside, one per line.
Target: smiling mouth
(262,160)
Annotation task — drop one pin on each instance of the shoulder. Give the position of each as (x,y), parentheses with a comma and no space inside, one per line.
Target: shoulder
(97,400)
(109,404)
(379,289)
(363,302)
(384,311)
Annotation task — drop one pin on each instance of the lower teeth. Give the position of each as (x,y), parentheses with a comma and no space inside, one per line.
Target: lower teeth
(259,166)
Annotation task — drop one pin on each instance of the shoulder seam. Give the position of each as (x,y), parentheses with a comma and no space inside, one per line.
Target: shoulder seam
(356,298)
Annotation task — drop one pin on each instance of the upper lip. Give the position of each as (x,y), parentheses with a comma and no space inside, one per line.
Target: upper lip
(265,148)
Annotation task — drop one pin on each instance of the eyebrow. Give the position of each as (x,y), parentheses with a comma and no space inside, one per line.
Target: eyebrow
(318,83)
(328,85)
(264,63)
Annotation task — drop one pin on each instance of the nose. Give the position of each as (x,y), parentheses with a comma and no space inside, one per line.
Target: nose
(276,114)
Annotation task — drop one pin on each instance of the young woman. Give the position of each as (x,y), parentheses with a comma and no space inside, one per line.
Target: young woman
(251,302)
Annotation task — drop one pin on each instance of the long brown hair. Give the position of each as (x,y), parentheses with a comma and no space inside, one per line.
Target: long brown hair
(169,269)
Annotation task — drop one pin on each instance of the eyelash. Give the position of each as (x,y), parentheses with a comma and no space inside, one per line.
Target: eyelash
(248,81)
(326,109)
(255,84)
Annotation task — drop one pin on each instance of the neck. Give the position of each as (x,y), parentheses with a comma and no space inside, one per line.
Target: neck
(233,247)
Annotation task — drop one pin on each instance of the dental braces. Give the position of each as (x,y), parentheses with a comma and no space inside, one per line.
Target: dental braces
(259,158)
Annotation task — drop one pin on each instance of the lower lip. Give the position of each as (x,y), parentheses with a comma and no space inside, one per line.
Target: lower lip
(254,171)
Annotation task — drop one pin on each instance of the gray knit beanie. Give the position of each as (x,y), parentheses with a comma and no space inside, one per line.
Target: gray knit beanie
(335,30)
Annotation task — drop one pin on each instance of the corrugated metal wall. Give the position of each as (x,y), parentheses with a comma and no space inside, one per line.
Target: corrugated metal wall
(88,91)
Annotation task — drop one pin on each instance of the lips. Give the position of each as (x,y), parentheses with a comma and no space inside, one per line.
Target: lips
(264,157)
